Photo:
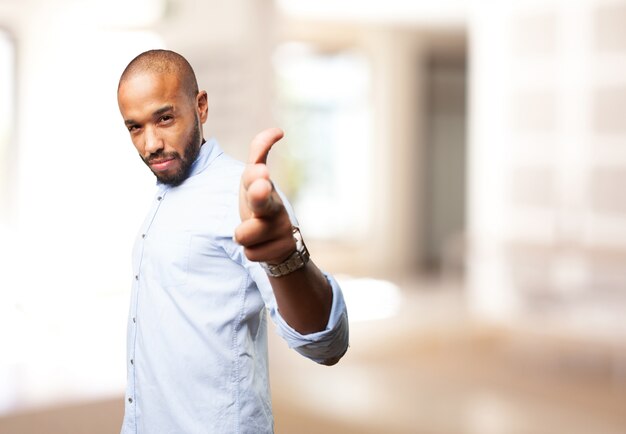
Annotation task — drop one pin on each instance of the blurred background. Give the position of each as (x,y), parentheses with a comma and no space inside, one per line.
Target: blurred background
(460,166)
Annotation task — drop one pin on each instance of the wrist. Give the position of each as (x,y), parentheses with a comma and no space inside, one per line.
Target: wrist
(294,261)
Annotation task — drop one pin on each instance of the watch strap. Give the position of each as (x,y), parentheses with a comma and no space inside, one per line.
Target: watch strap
(295,261)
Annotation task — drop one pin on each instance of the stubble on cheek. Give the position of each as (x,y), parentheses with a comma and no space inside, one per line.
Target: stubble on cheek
(184,163)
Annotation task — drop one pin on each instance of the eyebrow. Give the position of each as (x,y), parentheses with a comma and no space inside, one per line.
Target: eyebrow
(162,110)
(155,114)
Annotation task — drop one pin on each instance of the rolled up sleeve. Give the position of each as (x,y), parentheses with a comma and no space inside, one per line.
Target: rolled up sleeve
(327,346)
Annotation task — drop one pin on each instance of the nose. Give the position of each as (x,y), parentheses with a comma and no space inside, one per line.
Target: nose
(152,142)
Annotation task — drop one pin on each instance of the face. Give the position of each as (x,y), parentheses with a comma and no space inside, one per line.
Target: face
(164,123)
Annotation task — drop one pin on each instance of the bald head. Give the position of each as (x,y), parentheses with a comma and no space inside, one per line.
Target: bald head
(163,62)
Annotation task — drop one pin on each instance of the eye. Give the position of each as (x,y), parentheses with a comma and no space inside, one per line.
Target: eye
(133,128)
(166,118)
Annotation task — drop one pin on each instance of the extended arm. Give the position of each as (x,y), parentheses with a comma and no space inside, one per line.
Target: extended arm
(304,296)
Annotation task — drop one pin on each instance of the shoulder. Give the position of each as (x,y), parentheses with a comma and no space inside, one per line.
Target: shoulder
(227,165)
(221,175)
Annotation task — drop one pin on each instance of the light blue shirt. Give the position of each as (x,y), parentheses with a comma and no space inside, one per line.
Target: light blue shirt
(197,332)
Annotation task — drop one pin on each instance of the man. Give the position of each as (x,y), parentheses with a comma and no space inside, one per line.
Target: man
(219,247)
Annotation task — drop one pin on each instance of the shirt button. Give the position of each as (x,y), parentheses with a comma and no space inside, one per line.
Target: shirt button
(160,197)
(132,362)
(130,400)
(134,319)
(143,235)
(136,276)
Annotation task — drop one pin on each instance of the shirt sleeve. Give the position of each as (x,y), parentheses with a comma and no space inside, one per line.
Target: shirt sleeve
(324,347)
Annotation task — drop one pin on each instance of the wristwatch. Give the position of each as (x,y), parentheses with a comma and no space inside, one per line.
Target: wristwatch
(295,261)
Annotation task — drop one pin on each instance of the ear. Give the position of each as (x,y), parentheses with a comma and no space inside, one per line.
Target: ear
(202,105)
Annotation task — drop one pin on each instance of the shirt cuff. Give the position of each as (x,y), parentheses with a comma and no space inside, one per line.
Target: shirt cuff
(326,346)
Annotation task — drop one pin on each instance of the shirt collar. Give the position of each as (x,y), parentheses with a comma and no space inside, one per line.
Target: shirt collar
(209,151)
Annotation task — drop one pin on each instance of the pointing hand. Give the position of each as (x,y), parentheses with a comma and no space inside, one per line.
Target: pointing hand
(265,230)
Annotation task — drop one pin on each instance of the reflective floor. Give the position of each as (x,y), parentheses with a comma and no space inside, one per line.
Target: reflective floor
(428,369)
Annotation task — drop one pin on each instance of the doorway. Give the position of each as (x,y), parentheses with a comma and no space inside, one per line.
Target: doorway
(444,164)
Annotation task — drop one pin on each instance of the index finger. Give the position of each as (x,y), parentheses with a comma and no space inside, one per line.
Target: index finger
(262,143)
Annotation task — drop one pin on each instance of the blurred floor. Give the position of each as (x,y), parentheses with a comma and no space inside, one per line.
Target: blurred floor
(429,369)
(432,370)
(98,417)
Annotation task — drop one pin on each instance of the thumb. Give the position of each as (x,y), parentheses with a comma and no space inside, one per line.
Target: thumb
(262,143)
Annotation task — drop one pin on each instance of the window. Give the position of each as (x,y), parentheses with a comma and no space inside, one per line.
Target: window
(324,108)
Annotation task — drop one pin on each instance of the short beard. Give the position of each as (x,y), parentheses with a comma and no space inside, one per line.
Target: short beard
(190,154)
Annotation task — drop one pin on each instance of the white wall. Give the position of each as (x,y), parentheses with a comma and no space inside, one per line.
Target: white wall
(547,165)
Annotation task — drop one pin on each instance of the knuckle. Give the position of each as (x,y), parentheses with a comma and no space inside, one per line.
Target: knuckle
(240,237)
(251,254)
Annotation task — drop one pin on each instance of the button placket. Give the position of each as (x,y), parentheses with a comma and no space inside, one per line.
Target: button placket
(132,391)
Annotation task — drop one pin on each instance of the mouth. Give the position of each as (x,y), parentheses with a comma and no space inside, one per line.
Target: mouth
(162,164)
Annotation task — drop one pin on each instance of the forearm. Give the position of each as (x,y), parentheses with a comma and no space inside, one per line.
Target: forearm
(304,298)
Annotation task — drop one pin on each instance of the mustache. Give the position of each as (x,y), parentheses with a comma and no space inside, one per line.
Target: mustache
(160,155)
